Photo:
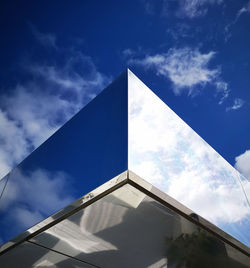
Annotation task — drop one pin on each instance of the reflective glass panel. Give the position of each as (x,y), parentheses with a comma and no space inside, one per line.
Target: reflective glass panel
(31,255)
(86,152)
(127,228)
(3,184)
(166,152)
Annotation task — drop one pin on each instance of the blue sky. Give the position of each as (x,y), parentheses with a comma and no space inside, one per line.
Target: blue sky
(56,56)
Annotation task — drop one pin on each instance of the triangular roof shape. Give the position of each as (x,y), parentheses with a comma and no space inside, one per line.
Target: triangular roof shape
(125,127)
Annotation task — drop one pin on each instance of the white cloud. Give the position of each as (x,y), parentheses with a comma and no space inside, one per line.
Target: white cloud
(244,9)
(228,28)
(24,217)
(202,195)
(149,7)
(149,169)
(13,144)
(195,8)
(180,30)
(127,53)
(45,39)
(238,103)
(31,197)
(186,68)
(222,88)
(152,7)
(170,155)
(242,163)
(182,8)
(34,110)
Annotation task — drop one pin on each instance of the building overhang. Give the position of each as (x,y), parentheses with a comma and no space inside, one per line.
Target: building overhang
(125,196)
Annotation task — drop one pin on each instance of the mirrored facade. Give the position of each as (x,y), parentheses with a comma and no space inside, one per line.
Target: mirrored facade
(31,255)
(125,127)
(127,228)
(83,154)
(165,151)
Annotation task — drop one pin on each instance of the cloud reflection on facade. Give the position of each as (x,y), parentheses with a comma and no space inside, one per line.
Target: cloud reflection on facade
(165,151)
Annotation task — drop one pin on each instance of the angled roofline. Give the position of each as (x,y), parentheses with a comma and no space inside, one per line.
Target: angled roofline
(126,177)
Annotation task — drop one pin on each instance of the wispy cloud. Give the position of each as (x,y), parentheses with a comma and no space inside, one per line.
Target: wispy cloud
(35,109)
(31,197)
(180,31)
(238,103)
(45,39)
(222,88)
(126,53)
(183,8)
(244,9)
(195,8)
(186,68)
(13,143)
(242,163)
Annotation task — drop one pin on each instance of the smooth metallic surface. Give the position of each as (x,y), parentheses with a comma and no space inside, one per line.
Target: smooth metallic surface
(29,255)
(79,157)
(166,152)
(125,127)
(127,228)
(182,210)
(3,184)
(69,210)
(127,222)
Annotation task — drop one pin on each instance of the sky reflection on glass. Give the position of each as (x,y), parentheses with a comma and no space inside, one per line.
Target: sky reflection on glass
(103,232)
(165,151)
(125,127)
(86,152)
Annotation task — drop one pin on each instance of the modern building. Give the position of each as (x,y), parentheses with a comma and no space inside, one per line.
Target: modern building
(166,199)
